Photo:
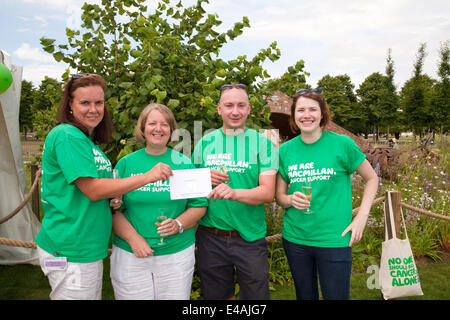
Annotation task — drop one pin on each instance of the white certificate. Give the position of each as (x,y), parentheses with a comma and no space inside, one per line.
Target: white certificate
(190,183)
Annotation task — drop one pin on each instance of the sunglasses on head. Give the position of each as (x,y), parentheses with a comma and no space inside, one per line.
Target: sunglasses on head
(231,86)
(304,91)
(81,75)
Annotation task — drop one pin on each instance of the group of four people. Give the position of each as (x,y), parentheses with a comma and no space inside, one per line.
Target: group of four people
(155,260)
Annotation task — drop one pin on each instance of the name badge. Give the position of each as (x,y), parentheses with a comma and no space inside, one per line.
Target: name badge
(55,263)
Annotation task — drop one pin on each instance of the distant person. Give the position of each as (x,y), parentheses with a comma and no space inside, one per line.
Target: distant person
(314,186)
(231,235)
(154,259)
(76,185)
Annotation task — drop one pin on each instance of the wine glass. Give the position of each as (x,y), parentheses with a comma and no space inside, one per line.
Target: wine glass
(159,219)
(223,169)
(115,175)
(307,190)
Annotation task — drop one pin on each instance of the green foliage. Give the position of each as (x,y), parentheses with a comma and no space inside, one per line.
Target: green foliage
(45,106)
(417,96)
(26,106)
(371,94)
(289,82)
(338,92)
(422,180)
(279,271)
(167,56)
(441,97)
(390,102)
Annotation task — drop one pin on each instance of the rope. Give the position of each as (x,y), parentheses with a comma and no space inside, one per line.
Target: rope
(18,243)
(31,244)
(25,200)
(376,201)
(425,212)
(274,237)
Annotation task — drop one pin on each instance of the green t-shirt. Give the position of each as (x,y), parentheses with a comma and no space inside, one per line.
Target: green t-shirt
(73,226)
(244,156)
(142,206)
(328,164)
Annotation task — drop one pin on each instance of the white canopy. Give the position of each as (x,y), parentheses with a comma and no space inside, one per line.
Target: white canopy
(24,225)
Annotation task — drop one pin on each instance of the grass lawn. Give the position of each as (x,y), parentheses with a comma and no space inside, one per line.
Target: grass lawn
(434,277)
(27,282)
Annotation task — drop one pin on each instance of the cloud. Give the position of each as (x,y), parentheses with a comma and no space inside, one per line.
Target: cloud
(36,72)
(332,37)
(55,4)
(352,37)
(25,52)
(37,64)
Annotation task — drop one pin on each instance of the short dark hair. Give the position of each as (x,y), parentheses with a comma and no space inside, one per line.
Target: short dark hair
(325,110)
(103,131)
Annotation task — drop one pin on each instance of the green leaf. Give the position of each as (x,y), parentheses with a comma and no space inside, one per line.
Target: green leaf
(221,73)
(160,96)
(58,56)
(136,53)
(173,103)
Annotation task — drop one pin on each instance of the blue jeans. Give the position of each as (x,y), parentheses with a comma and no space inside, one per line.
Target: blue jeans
(332,266)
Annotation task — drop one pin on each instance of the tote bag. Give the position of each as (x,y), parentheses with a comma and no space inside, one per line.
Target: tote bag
(398,272)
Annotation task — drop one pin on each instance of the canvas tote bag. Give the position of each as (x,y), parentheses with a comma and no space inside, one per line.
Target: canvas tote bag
(398,271)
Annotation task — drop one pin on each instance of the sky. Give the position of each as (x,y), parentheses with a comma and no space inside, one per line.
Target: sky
(332,37)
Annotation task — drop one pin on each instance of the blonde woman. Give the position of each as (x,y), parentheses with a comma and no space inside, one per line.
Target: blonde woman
(143,268)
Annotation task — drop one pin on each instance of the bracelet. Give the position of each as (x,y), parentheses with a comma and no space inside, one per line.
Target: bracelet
(180,226)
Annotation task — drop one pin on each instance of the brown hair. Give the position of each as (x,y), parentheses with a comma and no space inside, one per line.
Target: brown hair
(166,112)
(103,131)
(324,109)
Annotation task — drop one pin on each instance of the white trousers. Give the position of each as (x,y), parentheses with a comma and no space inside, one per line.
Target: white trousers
(79,281)
(167,277)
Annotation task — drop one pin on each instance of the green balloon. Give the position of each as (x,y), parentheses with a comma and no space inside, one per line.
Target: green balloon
(5,78)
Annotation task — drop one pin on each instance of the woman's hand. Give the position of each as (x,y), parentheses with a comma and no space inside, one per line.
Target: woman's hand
(160,171)
(357,228)
(115,203)
(298,200)
(168,227)
(140,247)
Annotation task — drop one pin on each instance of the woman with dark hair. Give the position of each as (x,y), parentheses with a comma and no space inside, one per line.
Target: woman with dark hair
(76,185)
(314,186)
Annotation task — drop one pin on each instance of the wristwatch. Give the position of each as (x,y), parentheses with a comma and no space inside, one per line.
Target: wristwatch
(180,226)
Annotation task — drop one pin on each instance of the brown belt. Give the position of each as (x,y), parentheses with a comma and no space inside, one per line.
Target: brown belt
(221,233)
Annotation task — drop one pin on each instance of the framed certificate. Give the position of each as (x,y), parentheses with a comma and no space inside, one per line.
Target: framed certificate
(190,183)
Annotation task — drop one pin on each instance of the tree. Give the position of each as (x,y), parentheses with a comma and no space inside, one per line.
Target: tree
(371,93)
(418,92)
(26,106)
(47,95)
(441,101)
(45,106)
(167,56)
(338,92)
(289,82)
(416,96)
(390,99)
